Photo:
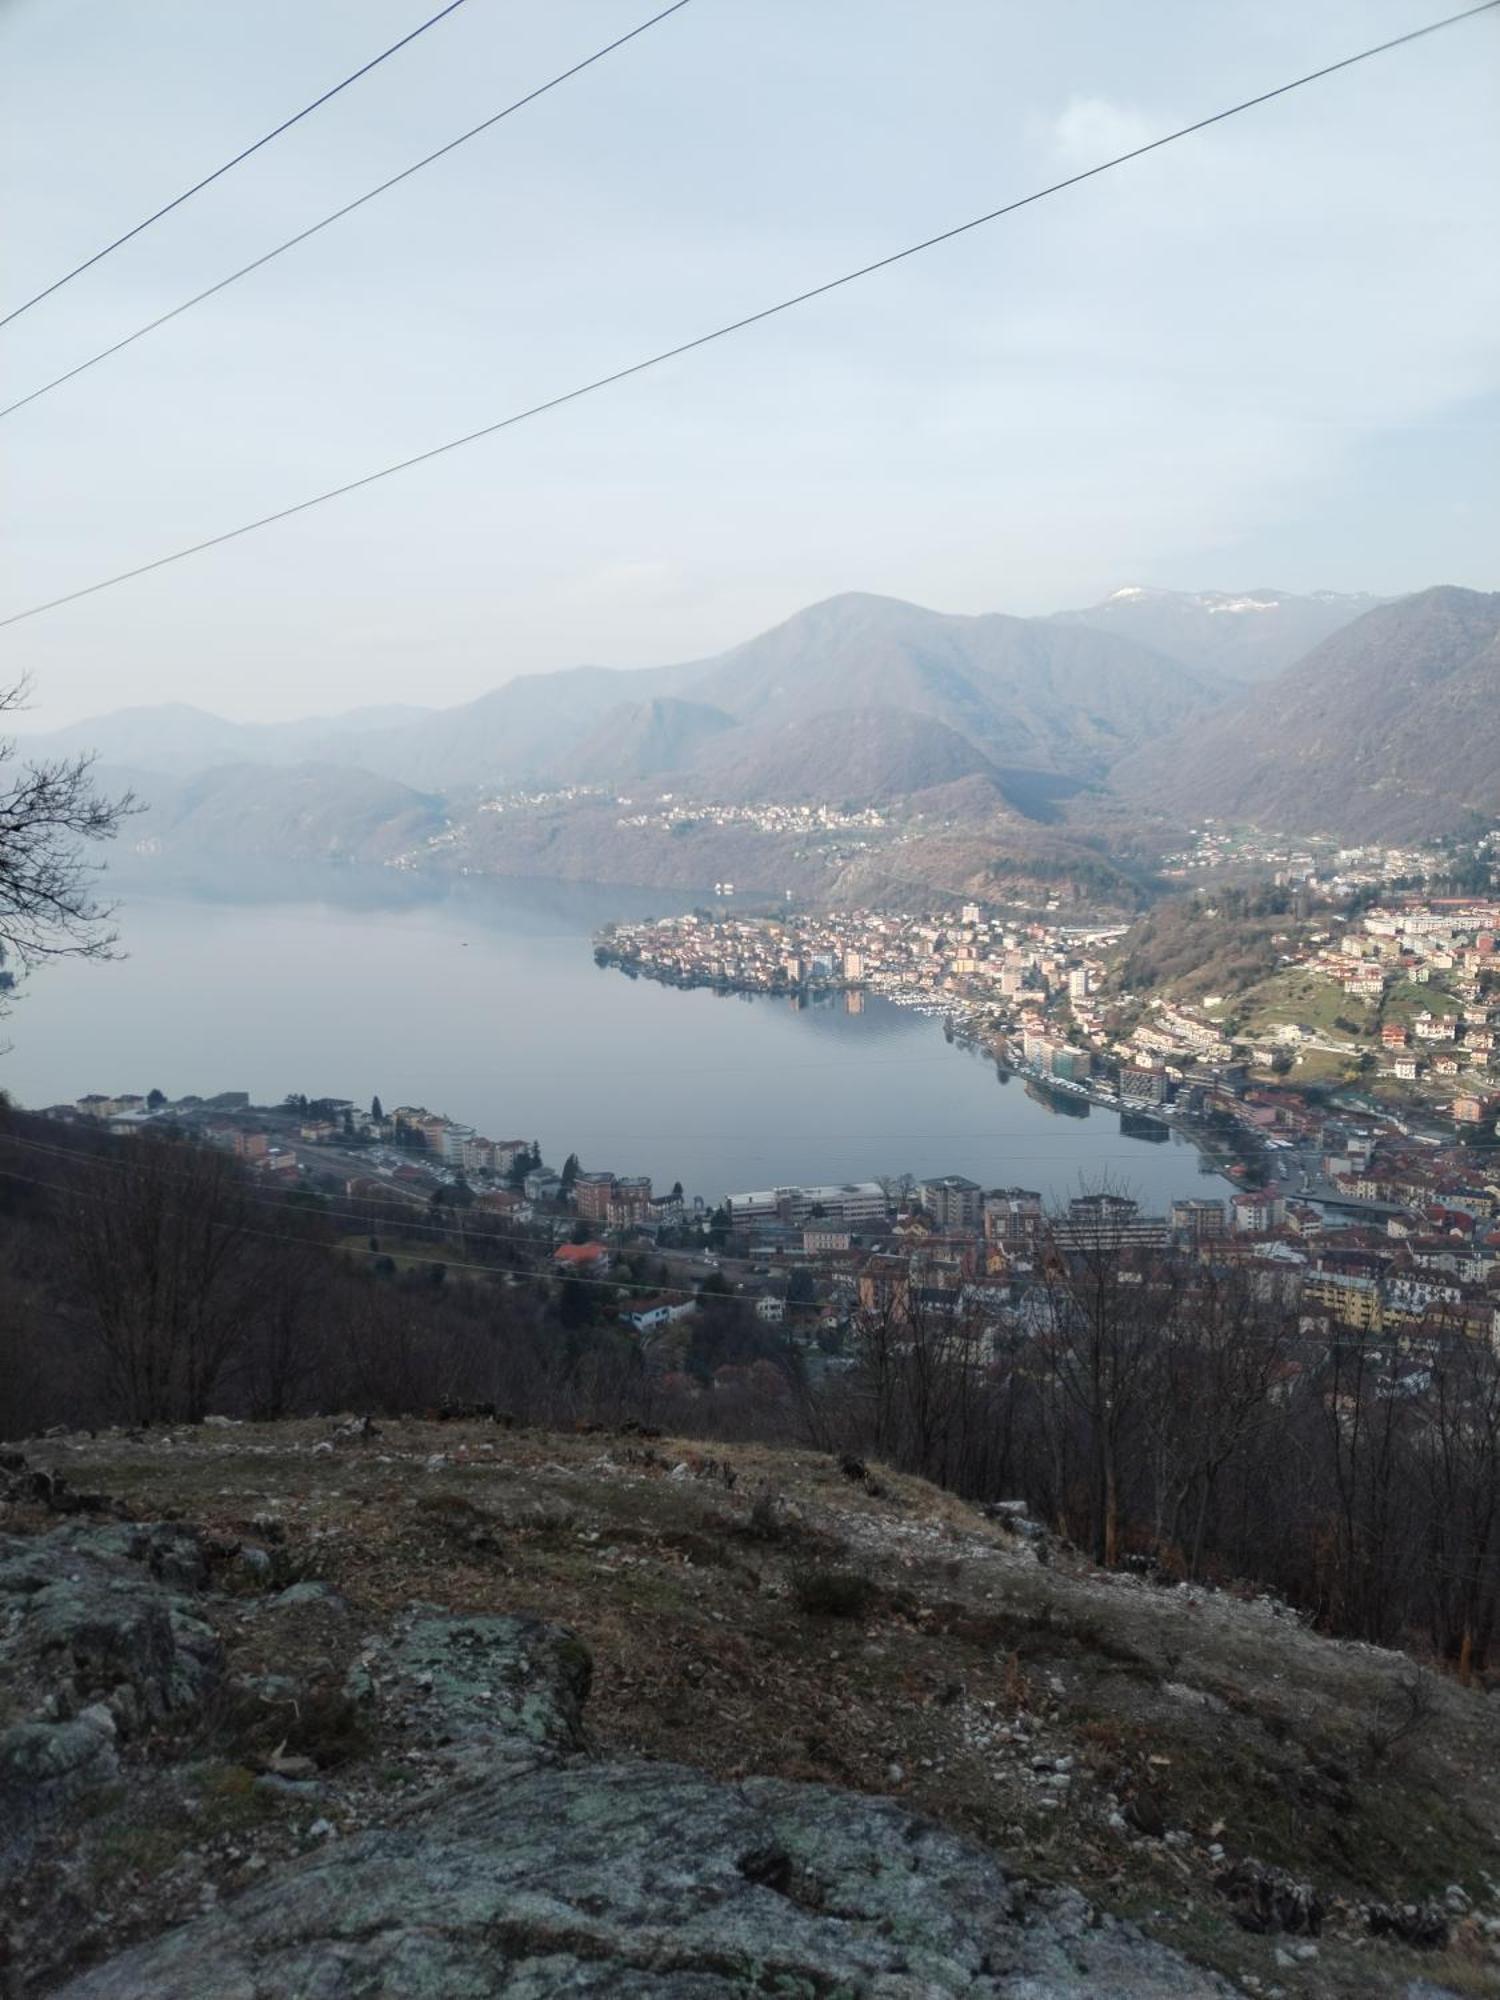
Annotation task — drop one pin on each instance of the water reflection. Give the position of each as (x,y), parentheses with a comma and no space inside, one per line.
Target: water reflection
(483,1000)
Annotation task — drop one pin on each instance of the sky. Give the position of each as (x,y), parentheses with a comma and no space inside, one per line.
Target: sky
(1264,356)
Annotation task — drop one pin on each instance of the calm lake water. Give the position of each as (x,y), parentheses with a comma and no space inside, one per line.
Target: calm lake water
(485,1003)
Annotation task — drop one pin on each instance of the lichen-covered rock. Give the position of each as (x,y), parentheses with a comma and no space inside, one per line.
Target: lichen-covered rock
(540,1873)
(84,1612)
(93,1645)
(481,1687)
(649,1880)
(46,1765)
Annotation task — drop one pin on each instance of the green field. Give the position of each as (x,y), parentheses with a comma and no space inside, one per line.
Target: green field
(1297,998)
(1405,1001)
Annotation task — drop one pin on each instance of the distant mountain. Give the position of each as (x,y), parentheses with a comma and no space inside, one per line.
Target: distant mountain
(309,812)
(1386,727)
(1246,635)
(640,739)
(178,738)
(1028,692)
(1036,694)
(850,756)
(172,737)
(1388,730)
(521,733)
(1024,691)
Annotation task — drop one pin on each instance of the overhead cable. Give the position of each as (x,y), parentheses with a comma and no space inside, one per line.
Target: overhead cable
(219,172)
(338,214)
(729,327)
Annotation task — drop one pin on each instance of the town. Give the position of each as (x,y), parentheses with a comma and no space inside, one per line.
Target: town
(1346,1219)
(1402,999)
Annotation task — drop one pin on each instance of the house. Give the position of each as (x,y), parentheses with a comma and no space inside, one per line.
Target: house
(500,1201)
(770,1309)
(1436,1027)
(825,1242)
(581,1260)
(656,1310)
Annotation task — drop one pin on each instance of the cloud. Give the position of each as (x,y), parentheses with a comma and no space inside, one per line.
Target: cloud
(1092,129)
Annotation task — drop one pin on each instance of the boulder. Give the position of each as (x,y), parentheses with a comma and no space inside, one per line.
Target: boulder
(649,1880)
(83,1612)
(93,1645)
(541,1873)
(45,1766)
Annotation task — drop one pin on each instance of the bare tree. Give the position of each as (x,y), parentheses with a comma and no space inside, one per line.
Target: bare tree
(1107,1310)
(159,1245)
(1219,1363)
(50,814)
(1457,1465)
(284,1356)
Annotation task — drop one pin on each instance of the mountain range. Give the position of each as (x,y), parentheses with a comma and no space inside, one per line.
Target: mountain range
(1388,730)
(1245,635)
(1336,713)
(1069,694)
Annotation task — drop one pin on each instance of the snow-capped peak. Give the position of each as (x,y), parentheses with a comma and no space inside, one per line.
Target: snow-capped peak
(1241,604)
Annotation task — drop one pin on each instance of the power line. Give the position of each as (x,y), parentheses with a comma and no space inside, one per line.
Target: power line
(338,214)
(219,172)
(738,325)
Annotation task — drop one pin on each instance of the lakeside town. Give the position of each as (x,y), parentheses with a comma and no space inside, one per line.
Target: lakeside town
(1342,1212)
(1402,998)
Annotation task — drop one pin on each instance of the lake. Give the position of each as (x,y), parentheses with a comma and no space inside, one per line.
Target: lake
(483,1001)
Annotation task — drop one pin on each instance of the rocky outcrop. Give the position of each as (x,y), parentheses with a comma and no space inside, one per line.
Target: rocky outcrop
(484,1690)
(96,1643)
(637,1879)
(538,1872)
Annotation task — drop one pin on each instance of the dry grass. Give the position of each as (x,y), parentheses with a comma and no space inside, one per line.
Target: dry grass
(710,1613)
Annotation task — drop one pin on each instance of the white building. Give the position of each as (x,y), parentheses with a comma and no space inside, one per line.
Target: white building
(854,1201)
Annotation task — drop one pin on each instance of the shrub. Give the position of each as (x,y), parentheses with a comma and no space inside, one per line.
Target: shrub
(834,1593)
(768,1521)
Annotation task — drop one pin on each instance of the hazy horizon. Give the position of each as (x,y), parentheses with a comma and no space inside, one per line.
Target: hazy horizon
(37,718)
(1264,353)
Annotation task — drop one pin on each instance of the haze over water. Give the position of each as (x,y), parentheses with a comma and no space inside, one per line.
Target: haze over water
(484,1002)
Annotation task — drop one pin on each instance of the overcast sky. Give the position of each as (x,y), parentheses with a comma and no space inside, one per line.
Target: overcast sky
(1266,355)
